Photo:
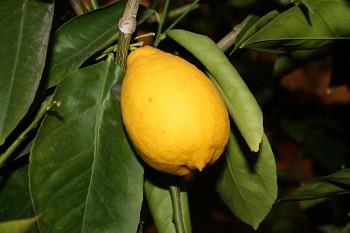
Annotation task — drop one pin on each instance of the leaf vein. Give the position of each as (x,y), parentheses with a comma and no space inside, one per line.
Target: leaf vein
(16,61)
(99,115)
(239,190)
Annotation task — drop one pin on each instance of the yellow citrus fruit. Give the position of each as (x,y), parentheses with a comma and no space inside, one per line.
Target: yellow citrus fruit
(172,113)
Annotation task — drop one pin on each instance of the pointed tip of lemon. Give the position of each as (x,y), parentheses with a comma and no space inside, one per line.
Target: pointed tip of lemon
(200,165)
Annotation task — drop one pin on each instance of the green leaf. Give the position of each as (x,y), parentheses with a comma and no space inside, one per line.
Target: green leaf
(15,201)
(25,27)
(253,25)
(240,102)
(159,202)
(248,189)
(80,38)
(84,176)
(335,184)
(299,29)
(17,226)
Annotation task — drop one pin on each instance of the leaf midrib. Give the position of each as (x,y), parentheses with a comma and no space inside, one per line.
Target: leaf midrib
(99,114)
(13,72)
(252,143)
(238,188)
(293,38)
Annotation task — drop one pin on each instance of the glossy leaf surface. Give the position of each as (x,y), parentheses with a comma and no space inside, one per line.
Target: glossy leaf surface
(80,38)
(240,102)
(249,189)
(25,27)
(253,26)
(15,201)
(299,28)
(84,175)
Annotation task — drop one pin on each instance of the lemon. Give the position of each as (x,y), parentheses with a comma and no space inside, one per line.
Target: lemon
(172,113)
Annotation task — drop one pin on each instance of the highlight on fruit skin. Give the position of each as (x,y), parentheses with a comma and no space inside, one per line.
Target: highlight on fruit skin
(172,112)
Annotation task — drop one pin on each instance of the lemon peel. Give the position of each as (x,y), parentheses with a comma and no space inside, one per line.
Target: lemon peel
(172,112)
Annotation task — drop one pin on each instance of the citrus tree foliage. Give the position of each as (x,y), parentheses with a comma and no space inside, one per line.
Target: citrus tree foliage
(66,164)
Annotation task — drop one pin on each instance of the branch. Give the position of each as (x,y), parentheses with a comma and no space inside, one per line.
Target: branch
(45,107)
(127,26)
(77,7)
(226,42)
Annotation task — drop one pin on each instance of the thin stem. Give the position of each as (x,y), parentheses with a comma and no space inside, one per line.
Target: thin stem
(93,4)
(161,23)
(77,7)
(227,41)
(194,6)
(127,26)
(45,106)
(145,35)
(122,50)
(175,198)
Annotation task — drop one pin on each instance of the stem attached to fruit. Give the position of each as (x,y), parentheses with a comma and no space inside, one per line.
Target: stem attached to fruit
(127,26)
(177,215)
(45,107)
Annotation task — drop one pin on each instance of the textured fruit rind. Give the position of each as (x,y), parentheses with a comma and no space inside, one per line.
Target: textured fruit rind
(172,112)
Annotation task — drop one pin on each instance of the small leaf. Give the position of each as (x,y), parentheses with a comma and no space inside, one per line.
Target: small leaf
(335,184)
(160,204)
(239,100)
(84,176)
(248,189)
(327,20)
(17,226)
(82,37)
(15,201)
(25,27)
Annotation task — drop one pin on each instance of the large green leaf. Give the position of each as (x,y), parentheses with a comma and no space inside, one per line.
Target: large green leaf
(15,201)
(248,189)
(84,176)
(239,100)
(25,27)
(299,28)
(326,186)
(17,226)
(160,204)
(80,38)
